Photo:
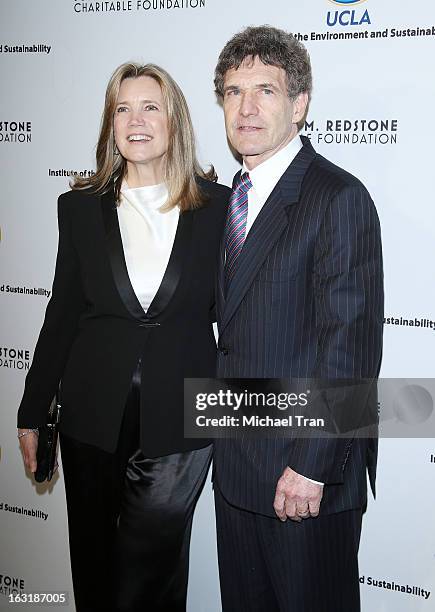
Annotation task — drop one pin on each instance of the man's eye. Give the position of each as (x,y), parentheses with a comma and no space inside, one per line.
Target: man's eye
(267,91)
(233,92)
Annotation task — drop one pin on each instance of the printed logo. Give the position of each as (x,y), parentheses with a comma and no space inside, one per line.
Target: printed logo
(391,585)
(14,358)
(11,585)
(55,172)
(419,322)
(16,131)
(347,17)
(39,48)
(25,290)
(346,2)
(29,512)
(361,131)
(122,6)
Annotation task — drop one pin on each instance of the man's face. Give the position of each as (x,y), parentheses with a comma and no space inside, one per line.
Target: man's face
(260,118)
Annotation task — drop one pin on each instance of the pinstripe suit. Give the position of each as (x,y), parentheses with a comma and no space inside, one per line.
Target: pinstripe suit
(306,300)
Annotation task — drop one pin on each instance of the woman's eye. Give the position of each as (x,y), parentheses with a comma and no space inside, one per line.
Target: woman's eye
(151,107)
(121,109)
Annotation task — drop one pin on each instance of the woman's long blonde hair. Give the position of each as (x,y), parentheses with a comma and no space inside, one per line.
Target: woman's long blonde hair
(181,168)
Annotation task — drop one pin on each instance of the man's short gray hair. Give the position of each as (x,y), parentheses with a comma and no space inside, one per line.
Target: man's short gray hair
(273,47)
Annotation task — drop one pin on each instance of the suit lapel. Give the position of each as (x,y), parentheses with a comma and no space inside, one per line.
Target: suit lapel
(115,251)
(174,268)
(264,233)
(116,256)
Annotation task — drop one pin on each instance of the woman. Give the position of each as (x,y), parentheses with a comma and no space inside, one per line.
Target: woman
(129,319)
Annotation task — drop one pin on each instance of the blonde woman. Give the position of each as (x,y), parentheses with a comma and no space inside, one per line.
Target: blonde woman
(129,319)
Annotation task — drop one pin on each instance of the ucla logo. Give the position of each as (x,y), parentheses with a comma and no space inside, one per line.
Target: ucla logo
(347,17)
(347,1)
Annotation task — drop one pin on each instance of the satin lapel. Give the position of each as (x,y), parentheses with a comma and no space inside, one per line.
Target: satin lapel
(119,268)
(266,229)
(116,256)
(174,268)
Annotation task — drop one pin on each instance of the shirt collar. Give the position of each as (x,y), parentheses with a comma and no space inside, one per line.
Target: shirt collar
(266,175)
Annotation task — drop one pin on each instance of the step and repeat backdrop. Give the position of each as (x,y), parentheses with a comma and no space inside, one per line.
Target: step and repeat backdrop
(372,113)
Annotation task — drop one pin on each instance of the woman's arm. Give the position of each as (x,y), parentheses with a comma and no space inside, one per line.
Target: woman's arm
(57,334)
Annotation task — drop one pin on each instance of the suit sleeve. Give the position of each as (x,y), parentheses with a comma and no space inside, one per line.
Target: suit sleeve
(348,287)
(58,330)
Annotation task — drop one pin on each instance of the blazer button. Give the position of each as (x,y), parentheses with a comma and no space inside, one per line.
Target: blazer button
(224,350)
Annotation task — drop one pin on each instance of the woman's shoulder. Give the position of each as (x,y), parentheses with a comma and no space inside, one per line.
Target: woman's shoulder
(215,199)
(213,189)
(76,198)
(79,194)
(214,207)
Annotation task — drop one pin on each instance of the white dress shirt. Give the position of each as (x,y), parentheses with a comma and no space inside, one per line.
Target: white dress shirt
(147,237)
(264,177)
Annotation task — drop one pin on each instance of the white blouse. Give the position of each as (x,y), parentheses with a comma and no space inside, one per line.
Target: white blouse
(147,237)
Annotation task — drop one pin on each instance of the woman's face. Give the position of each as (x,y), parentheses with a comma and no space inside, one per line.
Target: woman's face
(141,126)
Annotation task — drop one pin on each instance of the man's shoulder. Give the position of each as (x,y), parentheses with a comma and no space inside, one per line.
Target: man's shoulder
(322,170)
(327,186)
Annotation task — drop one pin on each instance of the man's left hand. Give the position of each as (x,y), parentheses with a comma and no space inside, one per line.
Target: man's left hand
(296,497)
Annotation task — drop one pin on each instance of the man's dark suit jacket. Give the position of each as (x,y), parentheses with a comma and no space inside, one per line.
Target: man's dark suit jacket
(95,329)
(305,301)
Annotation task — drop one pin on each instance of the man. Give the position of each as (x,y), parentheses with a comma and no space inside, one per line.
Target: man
(300,294)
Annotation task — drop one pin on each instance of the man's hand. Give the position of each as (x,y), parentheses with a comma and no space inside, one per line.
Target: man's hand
(296,497)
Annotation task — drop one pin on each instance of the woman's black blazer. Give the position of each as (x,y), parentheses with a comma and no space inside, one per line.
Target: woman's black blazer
(95,329)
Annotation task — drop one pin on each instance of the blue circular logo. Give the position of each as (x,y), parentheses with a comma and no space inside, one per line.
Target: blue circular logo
(347,1)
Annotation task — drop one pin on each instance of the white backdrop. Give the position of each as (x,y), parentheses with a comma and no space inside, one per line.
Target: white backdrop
(56,57)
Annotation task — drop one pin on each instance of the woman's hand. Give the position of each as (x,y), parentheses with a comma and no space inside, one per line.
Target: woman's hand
(29,445)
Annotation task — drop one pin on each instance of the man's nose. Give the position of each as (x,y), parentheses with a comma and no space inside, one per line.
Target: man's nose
(248,105)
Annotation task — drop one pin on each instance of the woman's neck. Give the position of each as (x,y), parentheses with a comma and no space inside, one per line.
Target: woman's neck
(143,175)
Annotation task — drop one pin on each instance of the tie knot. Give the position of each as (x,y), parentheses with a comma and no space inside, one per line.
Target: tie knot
(244,184)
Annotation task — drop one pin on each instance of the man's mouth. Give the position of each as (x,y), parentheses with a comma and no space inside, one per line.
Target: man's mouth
(248,128)
(138,138)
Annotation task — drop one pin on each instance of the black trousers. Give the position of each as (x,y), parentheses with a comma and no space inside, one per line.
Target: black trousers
(269,566)
(130,521)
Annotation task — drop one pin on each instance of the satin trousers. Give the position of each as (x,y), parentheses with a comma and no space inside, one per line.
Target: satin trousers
(129,520)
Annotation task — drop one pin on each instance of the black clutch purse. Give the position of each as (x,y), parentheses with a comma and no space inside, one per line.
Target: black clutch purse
(46,454)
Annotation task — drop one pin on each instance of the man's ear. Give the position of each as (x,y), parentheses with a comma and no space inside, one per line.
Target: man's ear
(299,106)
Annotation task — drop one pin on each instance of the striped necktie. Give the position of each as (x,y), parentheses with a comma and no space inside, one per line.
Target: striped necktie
(236,224)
